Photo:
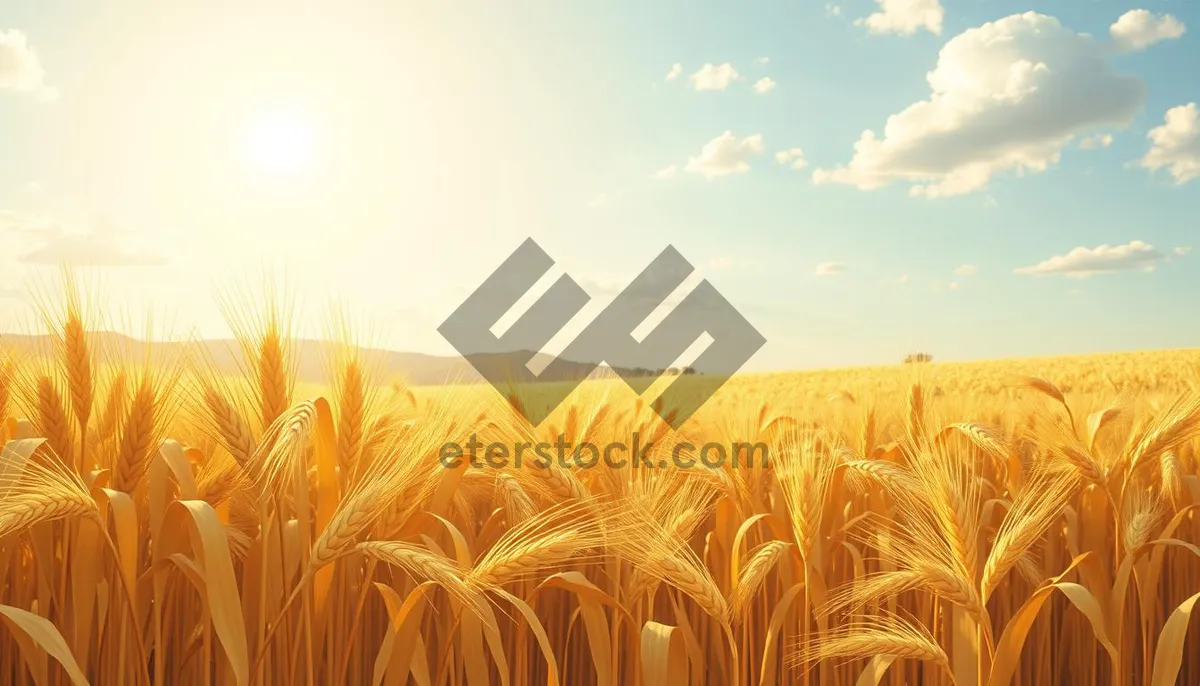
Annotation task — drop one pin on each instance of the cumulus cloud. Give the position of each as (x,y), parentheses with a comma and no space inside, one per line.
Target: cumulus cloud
(604,286)
(762,60)
(719,263)
(1182,250)
(1139,29)
(20,68)
(832,10)
(18,224)
(793,157)
(676,70)
(904,17)
(1008,95)
(724,263)
(92,250)
(764,85)
(102,243)
(1175,146)
(725,154)
(967,270)
(668,172)
(1083,262)
(830,268)
(1097,141)
(712,77)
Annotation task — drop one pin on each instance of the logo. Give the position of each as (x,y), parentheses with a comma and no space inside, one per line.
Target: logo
(502,360)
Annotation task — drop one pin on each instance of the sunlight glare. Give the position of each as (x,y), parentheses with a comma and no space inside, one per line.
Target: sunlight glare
(281,143)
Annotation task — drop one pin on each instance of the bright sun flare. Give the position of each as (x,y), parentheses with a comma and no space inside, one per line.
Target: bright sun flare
(281,143)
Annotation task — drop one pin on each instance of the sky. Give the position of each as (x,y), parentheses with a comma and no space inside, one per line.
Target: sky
(861,179)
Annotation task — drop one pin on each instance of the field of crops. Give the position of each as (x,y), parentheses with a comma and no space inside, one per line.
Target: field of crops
(1027,521)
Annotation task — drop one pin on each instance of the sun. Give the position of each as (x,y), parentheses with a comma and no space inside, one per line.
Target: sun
(281,142)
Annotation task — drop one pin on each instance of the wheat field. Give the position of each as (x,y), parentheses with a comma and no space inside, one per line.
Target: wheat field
(1026,521)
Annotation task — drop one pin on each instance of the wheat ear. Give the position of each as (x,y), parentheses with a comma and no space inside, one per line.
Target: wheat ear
(755,572)
(874,635)
(231,427)
(137,439)
(351,418)
(52,418)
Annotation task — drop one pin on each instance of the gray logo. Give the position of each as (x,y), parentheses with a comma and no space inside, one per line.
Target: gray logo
(609,339)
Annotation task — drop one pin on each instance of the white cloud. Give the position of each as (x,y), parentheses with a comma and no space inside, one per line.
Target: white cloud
(903,279)
(990,201)
(20,224)
(794,157)
(830,268)
(600,200)
(764,85)
(93,250)
(1008,95)
(725,154)
(1182,250)
(676,70)
(724,263)
(1139,29)
(712,77)
(20,68)
(1175,145)
(967,270)
(719,263)
(832,10)
(1083,262)
(1097,141)
(668,172)
(904,17)
(953,285)
(762,60)
(100,243)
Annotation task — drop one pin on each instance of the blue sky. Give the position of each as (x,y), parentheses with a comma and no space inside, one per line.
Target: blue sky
(390,156)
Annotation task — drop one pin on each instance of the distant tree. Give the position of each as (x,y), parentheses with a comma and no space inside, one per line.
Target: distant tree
(918,358)
(689,370)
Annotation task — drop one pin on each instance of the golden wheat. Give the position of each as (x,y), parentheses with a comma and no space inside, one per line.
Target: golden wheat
(956,529)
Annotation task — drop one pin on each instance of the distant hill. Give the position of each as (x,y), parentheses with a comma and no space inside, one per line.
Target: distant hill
(312,358)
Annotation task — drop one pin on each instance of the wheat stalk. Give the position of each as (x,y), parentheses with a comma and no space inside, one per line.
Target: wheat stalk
(874,635)
(351,418)
(755,572)
(52,418)
(1035,510)
(232,429)
(78,362)
(273,384)
(6,381)
(423,565)
(887,474)
(137,438)
(114,407)
(41,489)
